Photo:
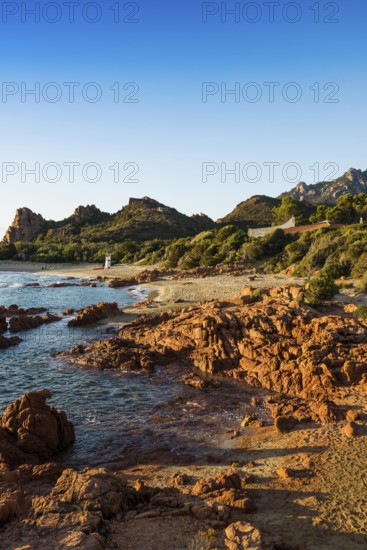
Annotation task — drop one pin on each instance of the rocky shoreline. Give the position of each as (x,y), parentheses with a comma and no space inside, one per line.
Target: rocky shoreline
(267,453)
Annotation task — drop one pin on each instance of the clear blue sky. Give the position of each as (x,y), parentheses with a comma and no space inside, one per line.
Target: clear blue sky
(170,132)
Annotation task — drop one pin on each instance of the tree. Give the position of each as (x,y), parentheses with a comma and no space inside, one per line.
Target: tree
(289,207)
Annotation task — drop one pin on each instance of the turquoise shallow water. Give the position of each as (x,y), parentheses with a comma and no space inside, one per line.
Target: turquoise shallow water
(101,404)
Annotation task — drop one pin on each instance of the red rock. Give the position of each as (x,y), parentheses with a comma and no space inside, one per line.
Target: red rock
(94,313)
(241,535)
(37,431)
(93,490)
(350,429)
(233,499)
(113,353)
(143,277)
(180,479)
(278,344)
(27,322)
(352,416)
(11,505)
(210,485)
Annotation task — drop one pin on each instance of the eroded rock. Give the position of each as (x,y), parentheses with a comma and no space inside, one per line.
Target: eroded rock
(94,313)
(31,430)
(28,322)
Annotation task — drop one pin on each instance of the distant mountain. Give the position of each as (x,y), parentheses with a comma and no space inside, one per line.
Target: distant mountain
(258,212)
(327,192)
(141,220)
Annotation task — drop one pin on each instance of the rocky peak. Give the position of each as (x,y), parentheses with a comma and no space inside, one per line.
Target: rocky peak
(85,213)
(327,192)
(25,226)
(202,217)
(144,202)
(354,175)
(302,187)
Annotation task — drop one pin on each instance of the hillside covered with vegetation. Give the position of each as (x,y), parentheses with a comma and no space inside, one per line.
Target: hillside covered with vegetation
(147,232)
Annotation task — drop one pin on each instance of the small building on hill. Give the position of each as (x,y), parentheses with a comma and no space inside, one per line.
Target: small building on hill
(310,227)
(290,228)
(262,231)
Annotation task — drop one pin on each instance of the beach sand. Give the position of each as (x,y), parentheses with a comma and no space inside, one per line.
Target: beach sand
(166,292)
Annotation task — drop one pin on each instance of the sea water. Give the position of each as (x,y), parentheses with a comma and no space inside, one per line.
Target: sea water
(102,404)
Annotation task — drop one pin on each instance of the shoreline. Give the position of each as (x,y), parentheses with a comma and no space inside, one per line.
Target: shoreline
(205,432)
(166,294)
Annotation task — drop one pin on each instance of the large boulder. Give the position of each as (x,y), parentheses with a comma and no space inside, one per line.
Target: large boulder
(94,491)
(31,430)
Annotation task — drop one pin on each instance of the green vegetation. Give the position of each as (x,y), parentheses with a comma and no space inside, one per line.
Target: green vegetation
(147,232)
(207,249)
(254,212)
(361,312)
(362,283)
(312,251)
(263,211)
(348,210)
(288,207)
(205,540)
(141,220)
(320,289)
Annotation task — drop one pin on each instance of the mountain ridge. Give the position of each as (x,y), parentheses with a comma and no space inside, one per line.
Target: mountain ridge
(145,218)
(353,181)
(141,219)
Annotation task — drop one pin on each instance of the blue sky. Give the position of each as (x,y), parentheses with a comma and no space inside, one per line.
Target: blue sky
(170,132)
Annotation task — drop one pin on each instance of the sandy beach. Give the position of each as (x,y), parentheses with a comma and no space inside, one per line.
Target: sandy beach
(166,293)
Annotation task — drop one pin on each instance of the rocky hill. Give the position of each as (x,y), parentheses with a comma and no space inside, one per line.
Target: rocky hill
(254,212)
(327,192)
(146,219)
(258,212)
(142,219)
(25,227)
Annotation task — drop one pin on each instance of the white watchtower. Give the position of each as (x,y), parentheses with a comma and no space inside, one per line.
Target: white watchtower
(108,261)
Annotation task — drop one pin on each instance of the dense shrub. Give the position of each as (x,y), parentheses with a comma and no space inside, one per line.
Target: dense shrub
(361,312)
(349,209)
(362,284)
(320,289)
(207,249)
